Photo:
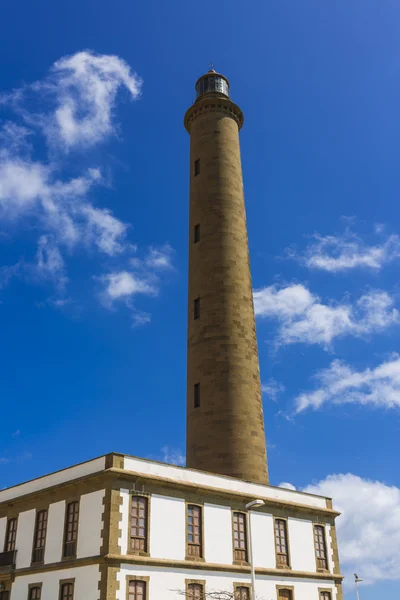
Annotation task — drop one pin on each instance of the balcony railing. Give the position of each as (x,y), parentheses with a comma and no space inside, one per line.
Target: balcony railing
(7,559)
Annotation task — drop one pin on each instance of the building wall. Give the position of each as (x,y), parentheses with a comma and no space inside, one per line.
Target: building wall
(167,527)
(55,532)
(164,583)
(262,529)
(86,583)
(3,527)
(301,545)
(167,534)
(90,524)
(253,490)
(218,546)
(24,541)
(82,470)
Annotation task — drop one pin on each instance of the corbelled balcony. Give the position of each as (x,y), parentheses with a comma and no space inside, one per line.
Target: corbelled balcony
(7,561)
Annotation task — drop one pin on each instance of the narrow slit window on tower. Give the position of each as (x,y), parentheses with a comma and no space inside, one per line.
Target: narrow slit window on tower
(196,309)
(196,395)
(196,235)
(197,167)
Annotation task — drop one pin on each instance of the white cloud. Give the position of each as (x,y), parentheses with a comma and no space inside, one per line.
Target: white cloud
(173,456)
(303,318)
(49,262)
(347,251)
(77,101)
(340,384)
(272,389)
(368,528)
(159,258)
(125,284)
(287,486)
(80,94)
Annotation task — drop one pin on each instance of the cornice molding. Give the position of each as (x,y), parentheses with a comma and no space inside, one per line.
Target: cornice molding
(212,104)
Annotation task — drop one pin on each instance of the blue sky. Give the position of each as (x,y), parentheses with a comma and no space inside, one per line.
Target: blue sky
(93,239)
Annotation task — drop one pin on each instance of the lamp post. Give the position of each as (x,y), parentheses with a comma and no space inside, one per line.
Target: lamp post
(248,507)
(357,580)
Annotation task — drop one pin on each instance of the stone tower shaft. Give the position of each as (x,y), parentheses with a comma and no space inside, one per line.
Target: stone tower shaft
(225,425)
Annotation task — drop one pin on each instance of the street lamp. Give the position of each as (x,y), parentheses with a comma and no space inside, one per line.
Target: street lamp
(253,504)
(357,580)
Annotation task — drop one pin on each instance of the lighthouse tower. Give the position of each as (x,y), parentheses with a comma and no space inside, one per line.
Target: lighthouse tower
(225,425)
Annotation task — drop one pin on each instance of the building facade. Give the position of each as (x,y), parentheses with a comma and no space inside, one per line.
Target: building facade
(123,528)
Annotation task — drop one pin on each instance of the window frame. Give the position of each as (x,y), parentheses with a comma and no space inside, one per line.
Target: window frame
(75,541)
(237,586)
(63,582)
(33,586)
(278,565)
(137,578)
(12,533)
(146,551)
(238,561)
(288,588)
(324,591)
(326,568)
(189,556)
(35,533)
(189,582)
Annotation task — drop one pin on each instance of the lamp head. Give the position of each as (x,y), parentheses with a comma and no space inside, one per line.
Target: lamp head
(255,504)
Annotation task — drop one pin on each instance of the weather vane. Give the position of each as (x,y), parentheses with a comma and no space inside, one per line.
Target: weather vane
(211,65)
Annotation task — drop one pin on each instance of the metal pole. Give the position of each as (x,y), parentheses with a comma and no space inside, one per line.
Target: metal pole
(358,595)
(253,574)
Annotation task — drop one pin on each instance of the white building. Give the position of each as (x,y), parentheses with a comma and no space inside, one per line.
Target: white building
(123,528)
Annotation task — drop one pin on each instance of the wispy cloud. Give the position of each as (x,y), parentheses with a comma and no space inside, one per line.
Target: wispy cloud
(303,318)
(347,251)
(73,108)
(341,384)
(173,456)
(272,389)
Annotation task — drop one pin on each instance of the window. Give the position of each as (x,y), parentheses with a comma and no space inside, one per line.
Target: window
(11,535)
(281,543)
(137,590)
(71,529)
(194,530)
(196,235)
(40,536)
(139,516)
(325,596)
(239,536)
(285,595)
(242,592)
(196,309)
(35,592)
(196,395)
(195,591)
(67,591)
(197,167)
(320,547)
